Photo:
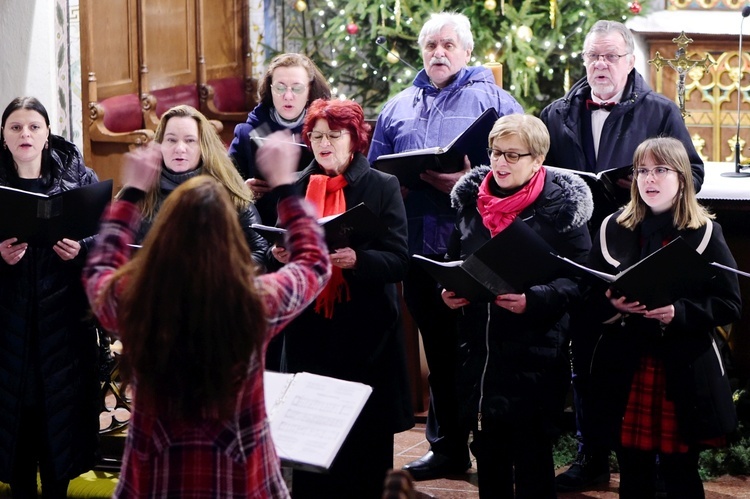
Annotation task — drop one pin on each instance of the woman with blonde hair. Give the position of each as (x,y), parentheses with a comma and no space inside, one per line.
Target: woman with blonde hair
(190,147)
(659,387)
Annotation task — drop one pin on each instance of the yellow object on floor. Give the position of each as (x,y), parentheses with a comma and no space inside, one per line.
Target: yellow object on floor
(93,484)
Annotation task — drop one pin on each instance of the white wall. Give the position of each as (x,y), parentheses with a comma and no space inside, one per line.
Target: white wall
(27,53)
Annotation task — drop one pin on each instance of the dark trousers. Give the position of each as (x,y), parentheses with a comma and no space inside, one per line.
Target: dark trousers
(437,325)
(358,471)
(513,463)
(679,471)
(583,338)
(32,451)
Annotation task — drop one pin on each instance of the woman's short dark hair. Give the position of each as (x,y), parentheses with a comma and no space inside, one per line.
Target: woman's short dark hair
(319,88)
(7,169)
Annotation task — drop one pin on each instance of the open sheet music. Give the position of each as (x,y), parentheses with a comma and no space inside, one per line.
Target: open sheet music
(311,415)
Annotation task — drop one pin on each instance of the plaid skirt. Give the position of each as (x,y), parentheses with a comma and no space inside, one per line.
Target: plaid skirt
(650,421)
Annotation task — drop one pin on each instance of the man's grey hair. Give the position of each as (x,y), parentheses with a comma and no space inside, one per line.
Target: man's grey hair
(603,28)
(439,20)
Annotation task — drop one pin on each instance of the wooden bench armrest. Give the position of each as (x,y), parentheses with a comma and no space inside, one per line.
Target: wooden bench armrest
(100,133)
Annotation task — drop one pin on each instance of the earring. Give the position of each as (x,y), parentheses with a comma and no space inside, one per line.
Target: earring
(46,145)
(5,145)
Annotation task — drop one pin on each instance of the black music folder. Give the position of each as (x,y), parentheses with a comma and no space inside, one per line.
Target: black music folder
(356,226)
(472,142)
(607,195)
(43,220)
(672,272)
(511,262)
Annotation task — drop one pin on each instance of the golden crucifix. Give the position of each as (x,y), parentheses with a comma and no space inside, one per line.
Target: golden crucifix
(682,64)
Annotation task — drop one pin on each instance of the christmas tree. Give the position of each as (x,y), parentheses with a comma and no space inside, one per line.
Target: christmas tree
(366,48)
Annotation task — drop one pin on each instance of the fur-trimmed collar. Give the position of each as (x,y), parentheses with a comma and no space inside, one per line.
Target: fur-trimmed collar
(565,201)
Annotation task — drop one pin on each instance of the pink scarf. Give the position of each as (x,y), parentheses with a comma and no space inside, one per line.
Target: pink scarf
(498,213)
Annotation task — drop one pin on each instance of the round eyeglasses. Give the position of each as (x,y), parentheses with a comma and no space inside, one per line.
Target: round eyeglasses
(659,172)
(280,89)
(331,135)
(510,157)
(591,57)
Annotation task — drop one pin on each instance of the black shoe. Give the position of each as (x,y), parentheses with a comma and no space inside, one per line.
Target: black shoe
(584,473)
(431,466)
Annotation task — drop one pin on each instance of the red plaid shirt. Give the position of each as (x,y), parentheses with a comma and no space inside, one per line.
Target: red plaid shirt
(213,459)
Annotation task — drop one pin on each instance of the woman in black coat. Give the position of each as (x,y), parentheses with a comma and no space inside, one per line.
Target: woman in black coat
(49,388)
(514,369)
(659,384)
(352,331)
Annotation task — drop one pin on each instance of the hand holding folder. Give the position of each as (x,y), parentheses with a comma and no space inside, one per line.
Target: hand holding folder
(673,272)
(511,262)
(356,226)
(472,142)
(43,220)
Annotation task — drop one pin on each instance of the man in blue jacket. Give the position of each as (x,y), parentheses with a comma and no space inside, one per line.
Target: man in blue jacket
(597,126)
(445,98)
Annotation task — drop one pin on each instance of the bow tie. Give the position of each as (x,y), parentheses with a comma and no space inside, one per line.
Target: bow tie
(593,106)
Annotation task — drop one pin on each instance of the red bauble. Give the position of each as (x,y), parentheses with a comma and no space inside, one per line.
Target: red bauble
(352,29)
(635,7)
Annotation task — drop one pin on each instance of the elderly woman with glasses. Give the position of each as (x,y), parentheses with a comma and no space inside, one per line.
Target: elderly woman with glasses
(514,368)
(352,331)
(659,385)
(291,82)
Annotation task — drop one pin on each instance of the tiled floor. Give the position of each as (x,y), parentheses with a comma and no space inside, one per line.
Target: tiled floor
(411,445)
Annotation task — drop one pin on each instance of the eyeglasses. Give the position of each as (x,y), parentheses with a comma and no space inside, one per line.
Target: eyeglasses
(331,135)
(280,89)
(591,57)
(659,172)
(510,157)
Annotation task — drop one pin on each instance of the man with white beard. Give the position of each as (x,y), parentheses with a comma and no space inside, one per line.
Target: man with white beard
(444,99)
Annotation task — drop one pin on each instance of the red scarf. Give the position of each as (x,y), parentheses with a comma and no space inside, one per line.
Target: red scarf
(327,194)
(498,213)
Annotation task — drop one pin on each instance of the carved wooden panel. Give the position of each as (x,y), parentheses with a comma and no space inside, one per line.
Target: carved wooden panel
(710,95)
(169,50)
(109,39)
(222,38)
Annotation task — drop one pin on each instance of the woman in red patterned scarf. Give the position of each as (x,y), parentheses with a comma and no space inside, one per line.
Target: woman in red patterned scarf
(352,331)
(513,352)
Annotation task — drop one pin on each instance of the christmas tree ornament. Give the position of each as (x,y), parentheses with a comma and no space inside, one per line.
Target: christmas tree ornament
(635,7)
(490,4)
(352,28)
(393,56)
(530,62)
(300,5)
(524,33)
(552,13)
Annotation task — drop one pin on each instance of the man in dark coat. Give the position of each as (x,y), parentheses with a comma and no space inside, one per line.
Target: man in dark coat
(596,126)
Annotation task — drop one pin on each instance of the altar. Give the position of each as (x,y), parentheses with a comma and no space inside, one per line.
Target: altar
(729,199)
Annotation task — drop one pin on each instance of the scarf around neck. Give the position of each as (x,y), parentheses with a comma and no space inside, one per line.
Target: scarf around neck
(499,212)
(327,195)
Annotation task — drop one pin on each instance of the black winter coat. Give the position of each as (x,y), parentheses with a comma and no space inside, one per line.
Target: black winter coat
(696,378)
(515,367)
(363,340)
(641,114)
(45,328)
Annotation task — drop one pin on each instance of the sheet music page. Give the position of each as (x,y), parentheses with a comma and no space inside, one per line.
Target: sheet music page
(313,417)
